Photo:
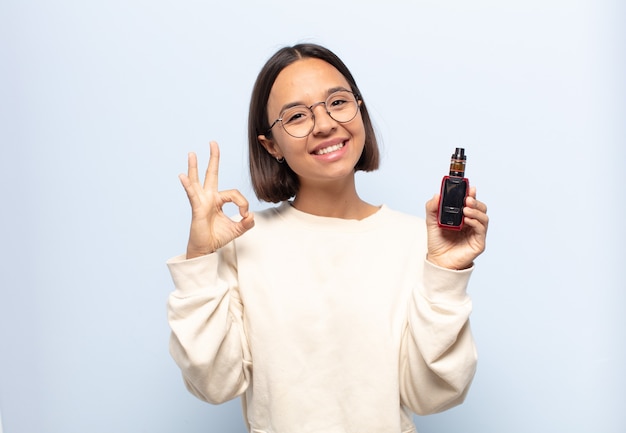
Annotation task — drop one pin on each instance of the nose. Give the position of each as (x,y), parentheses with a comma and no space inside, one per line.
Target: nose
(324,123)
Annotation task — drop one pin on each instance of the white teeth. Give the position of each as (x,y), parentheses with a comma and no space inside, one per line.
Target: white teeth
(329,149)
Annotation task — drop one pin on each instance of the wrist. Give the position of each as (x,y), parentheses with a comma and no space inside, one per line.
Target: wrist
(192,253)
(448,264)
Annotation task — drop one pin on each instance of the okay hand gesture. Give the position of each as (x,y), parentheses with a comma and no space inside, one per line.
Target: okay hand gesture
(210,227)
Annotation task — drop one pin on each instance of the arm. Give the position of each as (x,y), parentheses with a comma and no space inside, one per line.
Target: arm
(205,314)
(438,356)
(205,311)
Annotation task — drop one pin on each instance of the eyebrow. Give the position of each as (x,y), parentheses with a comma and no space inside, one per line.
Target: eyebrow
(297,103)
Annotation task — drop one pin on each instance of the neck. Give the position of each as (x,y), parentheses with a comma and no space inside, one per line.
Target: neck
(333,200)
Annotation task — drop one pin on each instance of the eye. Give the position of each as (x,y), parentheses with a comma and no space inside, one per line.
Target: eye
(296,115)
(339,100)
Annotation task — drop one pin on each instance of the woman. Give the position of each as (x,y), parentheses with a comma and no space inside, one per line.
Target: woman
(325,313)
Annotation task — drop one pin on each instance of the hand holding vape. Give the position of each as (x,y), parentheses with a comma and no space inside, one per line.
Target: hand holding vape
(454,190)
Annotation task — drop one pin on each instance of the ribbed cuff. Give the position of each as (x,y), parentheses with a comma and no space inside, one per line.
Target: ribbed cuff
(194,274)
(442,285)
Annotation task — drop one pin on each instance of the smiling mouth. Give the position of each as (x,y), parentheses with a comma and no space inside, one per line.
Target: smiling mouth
(330,149)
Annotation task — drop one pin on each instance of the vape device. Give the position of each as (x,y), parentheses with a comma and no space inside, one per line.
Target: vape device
(454,190)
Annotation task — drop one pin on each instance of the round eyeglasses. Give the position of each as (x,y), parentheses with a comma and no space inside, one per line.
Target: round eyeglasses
(299,120)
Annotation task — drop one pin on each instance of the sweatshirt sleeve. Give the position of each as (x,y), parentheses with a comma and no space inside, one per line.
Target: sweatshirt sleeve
(438,355)
(205,315)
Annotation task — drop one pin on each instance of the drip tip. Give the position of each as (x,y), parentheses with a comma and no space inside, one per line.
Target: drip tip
(459,153)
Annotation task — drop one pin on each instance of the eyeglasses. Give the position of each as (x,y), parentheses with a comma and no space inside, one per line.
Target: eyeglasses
(299,121)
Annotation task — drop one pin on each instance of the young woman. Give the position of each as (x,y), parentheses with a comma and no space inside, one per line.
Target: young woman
(325,313)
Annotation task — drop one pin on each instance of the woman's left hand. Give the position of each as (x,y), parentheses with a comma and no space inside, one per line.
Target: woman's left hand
(454,249)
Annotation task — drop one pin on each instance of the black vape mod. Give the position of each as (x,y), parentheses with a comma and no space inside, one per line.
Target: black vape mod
(454,190)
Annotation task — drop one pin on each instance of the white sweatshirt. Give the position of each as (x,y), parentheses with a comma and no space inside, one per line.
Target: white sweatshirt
(324,325)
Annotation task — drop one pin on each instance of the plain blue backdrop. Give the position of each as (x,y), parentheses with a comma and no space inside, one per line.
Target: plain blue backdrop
(101,101)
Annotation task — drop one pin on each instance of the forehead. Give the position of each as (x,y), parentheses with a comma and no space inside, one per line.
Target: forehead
(305,80)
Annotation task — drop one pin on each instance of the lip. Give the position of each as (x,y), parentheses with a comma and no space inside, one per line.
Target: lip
(329,143)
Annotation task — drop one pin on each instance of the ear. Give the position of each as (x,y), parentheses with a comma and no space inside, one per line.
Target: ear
(271,146)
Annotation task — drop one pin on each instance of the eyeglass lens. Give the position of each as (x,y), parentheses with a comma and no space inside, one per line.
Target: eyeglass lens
(299,121)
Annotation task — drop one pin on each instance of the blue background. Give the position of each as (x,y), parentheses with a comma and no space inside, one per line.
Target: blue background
(101,101)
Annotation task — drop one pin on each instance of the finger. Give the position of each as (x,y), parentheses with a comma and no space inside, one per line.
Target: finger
(184,179)
(472,203)
(481,206)
(236,197)
(433,204)
(432,207)
(473,213)
(247,222)
(192,167)
(477,232)
(212,171)
(472,192)
(186,182)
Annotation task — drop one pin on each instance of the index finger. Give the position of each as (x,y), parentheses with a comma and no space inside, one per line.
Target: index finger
(211,176)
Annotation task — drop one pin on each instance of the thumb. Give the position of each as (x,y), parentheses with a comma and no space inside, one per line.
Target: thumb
(432,206)
(247,222)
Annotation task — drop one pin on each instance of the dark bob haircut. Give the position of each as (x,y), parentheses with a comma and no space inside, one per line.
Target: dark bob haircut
(275,182)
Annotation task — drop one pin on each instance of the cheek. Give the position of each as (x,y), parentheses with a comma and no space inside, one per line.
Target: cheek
(359,131)
(288,144)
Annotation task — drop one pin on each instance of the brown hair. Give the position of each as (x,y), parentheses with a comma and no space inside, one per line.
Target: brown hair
(275,182)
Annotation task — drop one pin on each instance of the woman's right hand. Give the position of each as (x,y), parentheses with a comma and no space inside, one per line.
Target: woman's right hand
(210,227)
